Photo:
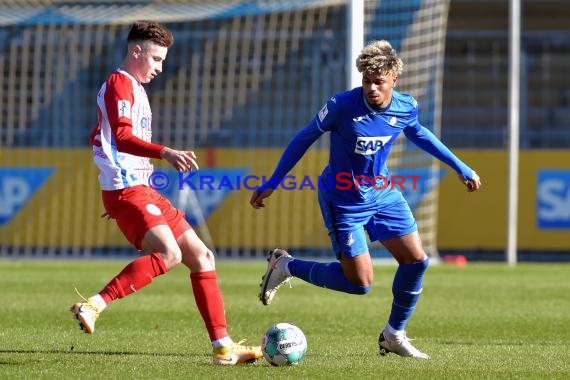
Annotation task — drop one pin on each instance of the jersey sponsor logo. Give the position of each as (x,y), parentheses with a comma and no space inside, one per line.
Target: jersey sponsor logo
(358,118)
(17,187)
(323,113)
(370,145)
(124,108)
(553,199)
(145,122)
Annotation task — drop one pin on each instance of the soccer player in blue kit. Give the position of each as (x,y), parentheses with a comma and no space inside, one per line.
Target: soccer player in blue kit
(363,124)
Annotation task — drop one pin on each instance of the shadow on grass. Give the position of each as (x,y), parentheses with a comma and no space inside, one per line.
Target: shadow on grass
(72,351)
(465,343)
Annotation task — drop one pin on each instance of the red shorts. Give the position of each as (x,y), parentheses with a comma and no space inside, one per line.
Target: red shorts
(137,209)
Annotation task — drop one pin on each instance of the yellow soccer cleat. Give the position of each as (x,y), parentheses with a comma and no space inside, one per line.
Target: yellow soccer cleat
(237,354)
(86,313)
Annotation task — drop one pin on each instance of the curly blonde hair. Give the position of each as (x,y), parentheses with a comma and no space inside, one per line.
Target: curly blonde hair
(379,57)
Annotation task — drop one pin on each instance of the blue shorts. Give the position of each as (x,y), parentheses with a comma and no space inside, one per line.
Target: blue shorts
(388,218)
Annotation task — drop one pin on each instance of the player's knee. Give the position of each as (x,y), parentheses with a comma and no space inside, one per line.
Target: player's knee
(172,258)
(360,290)
(209,256)
(206,260)
(425,263)
(202,260)
(365,289)
(360,278)
(361,285)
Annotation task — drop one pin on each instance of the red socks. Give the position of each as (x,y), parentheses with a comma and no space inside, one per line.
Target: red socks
(207,294)
(136,275)
(210,303)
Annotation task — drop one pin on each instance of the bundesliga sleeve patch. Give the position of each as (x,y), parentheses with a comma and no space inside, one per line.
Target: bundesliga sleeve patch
(323,113)
(124,108)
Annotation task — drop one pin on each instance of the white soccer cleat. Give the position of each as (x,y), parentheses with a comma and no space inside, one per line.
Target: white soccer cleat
(86,313)
(399,346)
(275,276)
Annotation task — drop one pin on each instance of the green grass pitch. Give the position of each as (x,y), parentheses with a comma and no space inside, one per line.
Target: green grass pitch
(480,321)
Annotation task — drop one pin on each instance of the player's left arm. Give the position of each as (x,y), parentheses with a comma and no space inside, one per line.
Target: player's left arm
(428,142)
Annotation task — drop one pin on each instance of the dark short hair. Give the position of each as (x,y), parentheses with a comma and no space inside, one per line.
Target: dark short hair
(151,31)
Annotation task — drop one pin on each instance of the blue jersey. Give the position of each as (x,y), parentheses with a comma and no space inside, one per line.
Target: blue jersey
(360,141)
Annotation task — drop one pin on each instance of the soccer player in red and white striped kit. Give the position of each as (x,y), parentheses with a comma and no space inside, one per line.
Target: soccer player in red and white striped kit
(122,150)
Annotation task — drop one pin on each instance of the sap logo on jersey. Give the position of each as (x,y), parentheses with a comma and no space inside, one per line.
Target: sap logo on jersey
(370,145)
(553,199)
(17,186)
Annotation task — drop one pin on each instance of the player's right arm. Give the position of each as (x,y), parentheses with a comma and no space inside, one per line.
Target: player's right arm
(292,154)
(322,122)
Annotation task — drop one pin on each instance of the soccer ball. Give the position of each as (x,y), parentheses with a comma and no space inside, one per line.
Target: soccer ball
(284,344)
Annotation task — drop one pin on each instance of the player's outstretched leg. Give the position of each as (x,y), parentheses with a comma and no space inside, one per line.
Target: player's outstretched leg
(237,353)
(282,267)
(275,276)
(399,345)
(136,275)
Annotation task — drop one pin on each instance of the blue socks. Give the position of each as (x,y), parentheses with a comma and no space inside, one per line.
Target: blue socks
(325,275)
(406,289)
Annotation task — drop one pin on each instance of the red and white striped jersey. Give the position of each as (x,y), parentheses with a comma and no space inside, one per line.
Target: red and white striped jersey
(123,109)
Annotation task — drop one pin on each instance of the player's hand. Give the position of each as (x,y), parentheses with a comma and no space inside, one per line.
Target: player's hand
(182,161)
(472,184)
(257,198)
